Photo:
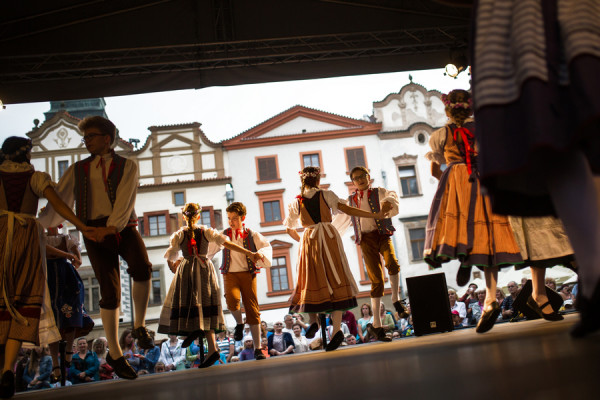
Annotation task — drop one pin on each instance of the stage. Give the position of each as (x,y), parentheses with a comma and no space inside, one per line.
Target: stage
(528,359)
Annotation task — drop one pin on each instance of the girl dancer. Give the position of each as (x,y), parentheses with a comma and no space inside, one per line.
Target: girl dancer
(325,283)
(461,224)
(193,306)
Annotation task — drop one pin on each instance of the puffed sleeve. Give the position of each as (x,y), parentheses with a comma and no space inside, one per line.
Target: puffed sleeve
(39,182)
(437,141)
(215,241)
(391,197)
(263,247)
(332,200)
(172,252)
(291,221)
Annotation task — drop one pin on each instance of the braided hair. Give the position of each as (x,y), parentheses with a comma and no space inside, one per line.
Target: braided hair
(190,212)
(16,149)
(310,177)
(458,105)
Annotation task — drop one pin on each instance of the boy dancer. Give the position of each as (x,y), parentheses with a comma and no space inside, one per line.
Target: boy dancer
(239,274)
(103,187)
(374,238)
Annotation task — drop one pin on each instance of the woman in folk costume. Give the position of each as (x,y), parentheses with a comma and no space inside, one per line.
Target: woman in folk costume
(461,224)
(67,293)
(22,264)
(325,283)
(193,305)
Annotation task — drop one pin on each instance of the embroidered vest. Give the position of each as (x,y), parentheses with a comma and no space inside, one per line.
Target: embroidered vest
(82,182)
(248,244)
(384,226)
(16,194)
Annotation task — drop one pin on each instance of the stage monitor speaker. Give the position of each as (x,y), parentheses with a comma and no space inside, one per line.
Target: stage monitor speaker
(429,304)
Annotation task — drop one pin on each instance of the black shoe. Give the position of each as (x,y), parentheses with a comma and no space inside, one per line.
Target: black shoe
(401,309)
(589,315)
(258,354)
(191,337)
(463,275)
(7,385)
(144,340)
(213,358)
(238,334)
(378,333)
(553,316)
(312,330)
(335,342)
(121,367)
(488,318)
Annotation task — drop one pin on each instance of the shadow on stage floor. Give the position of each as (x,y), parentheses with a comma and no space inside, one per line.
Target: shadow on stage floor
(528,360)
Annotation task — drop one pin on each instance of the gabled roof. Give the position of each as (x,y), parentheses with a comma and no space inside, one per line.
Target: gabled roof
(258,135)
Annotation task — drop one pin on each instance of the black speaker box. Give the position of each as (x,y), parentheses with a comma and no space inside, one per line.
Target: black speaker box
(429,304)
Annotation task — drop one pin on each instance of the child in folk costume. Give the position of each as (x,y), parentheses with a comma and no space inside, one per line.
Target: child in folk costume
(193,306)
(22,265)
(461,224)
(325,283)
(375,240)
(66,293)
(239,274)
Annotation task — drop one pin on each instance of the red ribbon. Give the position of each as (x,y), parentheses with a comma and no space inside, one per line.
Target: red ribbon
(467,137)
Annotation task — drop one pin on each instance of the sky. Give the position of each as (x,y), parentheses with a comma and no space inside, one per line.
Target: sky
(226,111)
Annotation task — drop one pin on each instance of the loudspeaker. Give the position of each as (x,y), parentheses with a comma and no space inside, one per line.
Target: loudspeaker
(520,303)
(429,304)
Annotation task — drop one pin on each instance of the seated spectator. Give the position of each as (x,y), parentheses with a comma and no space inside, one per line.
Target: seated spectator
(403,322)
(85,366)
(565,292)
(225,345)
(551,283)
(36,374)
(288,321)
(239,344)
(350,339)
(365,319)
(248,352)
(507,308)
(192,354)
(468,298)
(500,297)
(149,357)
(456,319)
(159,367)
(129,349)
(280,342)
(458,306)
(409,330)
(264,347)
(523,282)
(477,308)
(300,342)
(349,319)
(299,319)
(387,320)
(106,372)
(22,360)
(172,354)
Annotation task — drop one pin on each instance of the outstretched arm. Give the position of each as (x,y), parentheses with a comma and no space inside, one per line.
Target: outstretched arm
(67,213)
(293,234)
(234,247)
(365,214)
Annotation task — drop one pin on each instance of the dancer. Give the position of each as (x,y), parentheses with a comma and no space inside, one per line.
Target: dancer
(461,224)
(375,239)
(66,293)
(239,274)
(538,122)
(22,267)
(193,307)
(325,283)
(103,188)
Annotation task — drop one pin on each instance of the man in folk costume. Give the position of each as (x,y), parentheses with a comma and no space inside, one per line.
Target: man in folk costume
(375,239)
(239,274)
(103,188)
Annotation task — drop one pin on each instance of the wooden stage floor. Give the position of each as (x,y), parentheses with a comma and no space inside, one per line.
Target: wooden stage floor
(524,360)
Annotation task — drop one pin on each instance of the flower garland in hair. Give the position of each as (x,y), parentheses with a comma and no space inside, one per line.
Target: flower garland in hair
(190,213)
(313,174)
(21,150)
(461,104)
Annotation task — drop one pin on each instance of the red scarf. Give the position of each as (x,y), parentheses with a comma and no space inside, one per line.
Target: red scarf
(358,196)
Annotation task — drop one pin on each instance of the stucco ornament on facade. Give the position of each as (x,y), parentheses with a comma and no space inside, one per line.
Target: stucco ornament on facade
(62,138)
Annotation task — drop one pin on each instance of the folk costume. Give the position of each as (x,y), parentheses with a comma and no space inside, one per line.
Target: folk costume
(239,272)
(103,188)
(325,282)
(67,292)
(25,313)
(461,224)
(193,302)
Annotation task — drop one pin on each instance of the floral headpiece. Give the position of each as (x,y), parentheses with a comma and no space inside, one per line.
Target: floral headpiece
(189,213)
(21,150)
(312,174)
(460,104)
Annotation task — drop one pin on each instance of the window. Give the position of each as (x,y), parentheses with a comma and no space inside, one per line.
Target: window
(279,278)
(270,202)
(155,288)
(92,295)
(267,169)
(62,167)
(179,198)
(310,160)
(417,243)
(157,225)
(408,181)
(272,211)
(205,218)
(355,157)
